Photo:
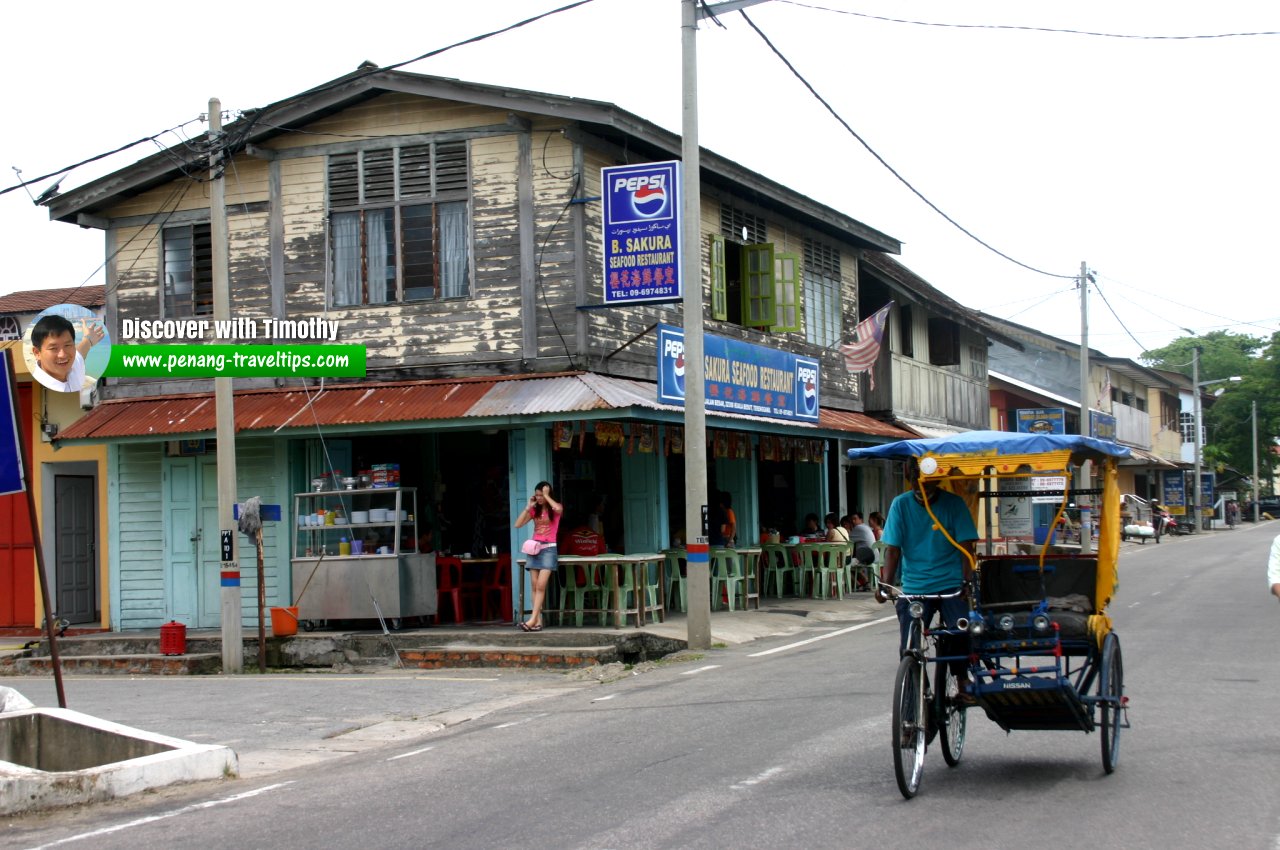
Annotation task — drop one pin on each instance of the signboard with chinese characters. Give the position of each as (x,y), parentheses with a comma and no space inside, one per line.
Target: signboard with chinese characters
(1042,420)
(741,377)
(641,232)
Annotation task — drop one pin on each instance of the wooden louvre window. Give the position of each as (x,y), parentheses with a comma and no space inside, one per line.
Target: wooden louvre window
(188,271)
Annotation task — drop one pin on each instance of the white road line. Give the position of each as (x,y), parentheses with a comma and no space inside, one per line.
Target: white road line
(756,780)
(700,670)
(519,722)
(1135,604)
(602,699)
(892,619)
(414,753)
(153,818)
(1157,593)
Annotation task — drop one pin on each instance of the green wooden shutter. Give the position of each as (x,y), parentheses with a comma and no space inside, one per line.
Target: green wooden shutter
(719,289)
(757,292)
(786,293)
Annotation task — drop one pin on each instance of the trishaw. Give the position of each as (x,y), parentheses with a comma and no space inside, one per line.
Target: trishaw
(1041,650)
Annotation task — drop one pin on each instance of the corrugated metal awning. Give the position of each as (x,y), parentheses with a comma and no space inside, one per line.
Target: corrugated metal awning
(347,405)
(1142,457)
(928,429)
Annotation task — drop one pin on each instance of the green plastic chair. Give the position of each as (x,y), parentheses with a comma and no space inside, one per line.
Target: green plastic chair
(727,576)
(830,569)
(580,582)
(807,568)
(677,567)
(777,566)
(872,571)
(650,584)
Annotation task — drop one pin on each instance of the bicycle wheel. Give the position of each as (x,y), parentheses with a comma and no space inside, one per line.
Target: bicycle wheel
(908,725)
(1111,688)
(950,714)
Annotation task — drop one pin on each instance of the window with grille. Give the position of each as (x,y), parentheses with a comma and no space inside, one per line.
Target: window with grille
(742,226)
(187,271)
(822,312)
(399,227)
(1188,423)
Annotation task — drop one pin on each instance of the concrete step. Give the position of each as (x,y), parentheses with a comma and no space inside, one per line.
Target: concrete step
(544,657)
(152,664)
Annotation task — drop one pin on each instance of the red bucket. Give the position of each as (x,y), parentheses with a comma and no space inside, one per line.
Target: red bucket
(173,638)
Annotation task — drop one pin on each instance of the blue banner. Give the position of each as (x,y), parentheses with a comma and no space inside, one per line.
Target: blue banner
(1102,425)
(10,456)
(741,378)
(1175,492)
(1042,420)
(641,232)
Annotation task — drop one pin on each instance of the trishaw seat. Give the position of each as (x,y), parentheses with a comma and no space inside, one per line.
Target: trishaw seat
(1013,580)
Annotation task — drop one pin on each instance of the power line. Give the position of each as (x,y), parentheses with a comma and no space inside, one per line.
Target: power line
(1103,296)
(1030,28)
(890,168)
(1190,307)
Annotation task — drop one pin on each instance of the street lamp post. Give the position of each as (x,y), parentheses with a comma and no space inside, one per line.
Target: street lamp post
(1196,384)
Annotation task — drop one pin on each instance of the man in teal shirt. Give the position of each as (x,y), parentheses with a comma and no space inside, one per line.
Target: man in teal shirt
(930,564)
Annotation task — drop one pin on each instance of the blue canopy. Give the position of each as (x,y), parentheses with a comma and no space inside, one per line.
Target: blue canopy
(985,442)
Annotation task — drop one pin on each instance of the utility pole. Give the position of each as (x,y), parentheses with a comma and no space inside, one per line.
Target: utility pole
(224,408)
(1194,501)
(1083,475)
(1254,416)
(695,419)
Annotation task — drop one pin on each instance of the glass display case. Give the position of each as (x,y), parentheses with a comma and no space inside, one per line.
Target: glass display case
(355,556)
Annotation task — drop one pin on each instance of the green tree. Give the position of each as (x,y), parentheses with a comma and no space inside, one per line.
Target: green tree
(1228,421)
(1222,354)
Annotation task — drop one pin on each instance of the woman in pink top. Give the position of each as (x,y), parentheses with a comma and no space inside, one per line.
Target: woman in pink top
(545,513)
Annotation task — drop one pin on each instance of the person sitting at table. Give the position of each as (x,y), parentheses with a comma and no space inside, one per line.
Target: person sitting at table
(836,532)
(863,538)
(811,530)
(875,519)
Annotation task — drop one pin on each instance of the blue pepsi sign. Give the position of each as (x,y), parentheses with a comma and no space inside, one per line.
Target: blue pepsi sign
(10,457)
(742,378)
(641,232)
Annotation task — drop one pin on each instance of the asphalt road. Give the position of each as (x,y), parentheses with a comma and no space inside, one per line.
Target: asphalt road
(785,743)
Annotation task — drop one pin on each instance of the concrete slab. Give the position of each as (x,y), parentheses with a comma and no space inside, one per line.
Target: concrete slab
(52,757)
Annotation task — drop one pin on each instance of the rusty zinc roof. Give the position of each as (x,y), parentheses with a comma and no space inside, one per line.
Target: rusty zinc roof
(406,401)
(35,300)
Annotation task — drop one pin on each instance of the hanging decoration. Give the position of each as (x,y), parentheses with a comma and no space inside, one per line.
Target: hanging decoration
(609,434)
(648,437)
(563,435)
(675,440)
(720,441)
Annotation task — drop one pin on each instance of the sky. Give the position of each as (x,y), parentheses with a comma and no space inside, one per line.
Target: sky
(1153,161)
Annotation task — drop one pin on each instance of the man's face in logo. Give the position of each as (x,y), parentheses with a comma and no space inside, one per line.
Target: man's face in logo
(57,354)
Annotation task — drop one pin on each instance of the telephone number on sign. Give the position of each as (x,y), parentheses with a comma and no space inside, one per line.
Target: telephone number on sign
(652,290)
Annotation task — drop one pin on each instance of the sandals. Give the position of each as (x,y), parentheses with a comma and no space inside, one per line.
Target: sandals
(525,627)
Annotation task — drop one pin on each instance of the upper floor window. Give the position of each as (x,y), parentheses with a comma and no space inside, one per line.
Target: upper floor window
(187,287)
(399,227)
(944,342)
(978,361)
(1188,423)
(822,314)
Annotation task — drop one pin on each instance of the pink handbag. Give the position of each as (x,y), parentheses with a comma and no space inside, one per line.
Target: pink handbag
(531,547)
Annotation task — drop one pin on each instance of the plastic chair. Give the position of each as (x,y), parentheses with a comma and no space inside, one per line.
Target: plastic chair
(727,577)
(830,569)
(677,566)
(857,570)
(448,584)
(777,566)
(580,582)
(497,586)
(807,568)
(650,585)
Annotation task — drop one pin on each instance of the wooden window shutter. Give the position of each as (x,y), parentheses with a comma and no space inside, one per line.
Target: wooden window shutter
(786,293)
(451,166)
(757,293)
(344,180)
(944,342)
(719,287)
(379,176)
(415,171)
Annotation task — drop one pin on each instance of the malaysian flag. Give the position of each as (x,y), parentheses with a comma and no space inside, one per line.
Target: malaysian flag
(860,356)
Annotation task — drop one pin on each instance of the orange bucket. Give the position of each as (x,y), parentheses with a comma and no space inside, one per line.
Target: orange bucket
(284,621)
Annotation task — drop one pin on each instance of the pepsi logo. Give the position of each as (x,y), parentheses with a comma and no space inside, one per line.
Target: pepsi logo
(649,201)
(678,370)
(807,378)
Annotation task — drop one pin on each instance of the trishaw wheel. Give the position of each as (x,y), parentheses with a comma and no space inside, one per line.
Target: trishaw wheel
(950,713)
(1111,688)
(908,726)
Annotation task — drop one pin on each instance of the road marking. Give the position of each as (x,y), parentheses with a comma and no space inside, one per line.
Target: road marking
(756,780)
(892,619)
(414,753)
(520,722)
(602,699)
(153,818)
(1157,593)
(700,670)
(1135,604)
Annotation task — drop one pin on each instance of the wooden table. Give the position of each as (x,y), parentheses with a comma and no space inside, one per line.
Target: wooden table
(639,578)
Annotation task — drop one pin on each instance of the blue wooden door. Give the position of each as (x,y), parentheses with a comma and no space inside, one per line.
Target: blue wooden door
(182,520)
(643,524)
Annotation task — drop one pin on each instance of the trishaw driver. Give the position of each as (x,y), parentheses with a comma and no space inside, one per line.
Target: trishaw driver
(929,563)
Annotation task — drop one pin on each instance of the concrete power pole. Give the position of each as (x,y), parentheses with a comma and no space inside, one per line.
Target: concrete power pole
(1083,475)
(1194,499)
(224,409)
(1253,413)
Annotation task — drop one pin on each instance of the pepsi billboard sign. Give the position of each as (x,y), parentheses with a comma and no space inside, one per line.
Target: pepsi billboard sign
(641,232)
(741,378)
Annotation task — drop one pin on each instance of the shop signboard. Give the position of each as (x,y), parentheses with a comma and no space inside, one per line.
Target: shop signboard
(1207,482)
(1102,426)
(1175,492)
(742,378)
(1042,420)
(10,456)
(1015,511)
(641,233)
(1048,482)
